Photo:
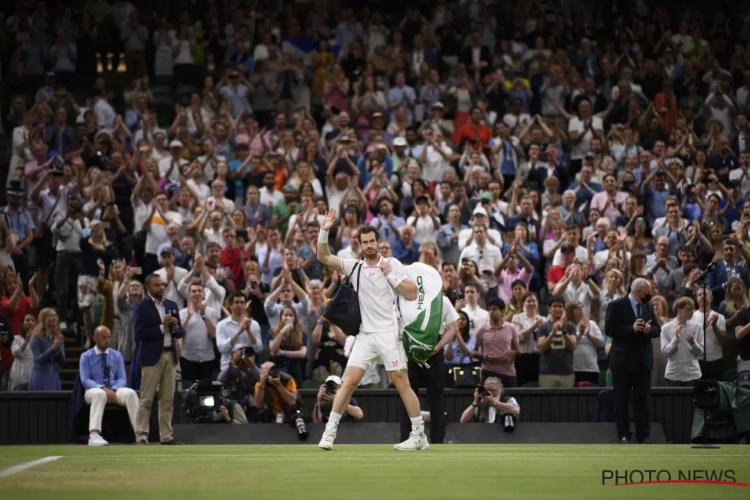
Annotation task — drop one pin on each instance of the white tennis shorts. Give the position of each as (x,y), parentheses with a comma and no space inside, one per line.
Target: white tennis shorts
(369,347)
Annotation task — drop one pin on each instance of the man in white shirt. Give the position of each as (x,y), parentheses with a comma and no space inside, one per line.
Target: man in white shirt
(466,236)
(350,252)
(213,292)
(582,130)
(237,330)
(105,114)
(68,230)
(470,305)
(198,360)
(171,167)
(681,344)
(487,257)
(716,333)
(268,194)
(171,275)
(209,159)
(378,282)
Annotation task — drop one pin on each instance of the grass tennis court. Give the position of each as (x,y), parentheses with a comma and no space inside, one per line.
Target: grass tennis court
(363,472)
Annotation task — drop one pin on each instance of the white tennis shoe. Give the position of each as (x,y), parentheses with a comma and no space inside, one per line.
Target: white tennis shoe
(417,442)
(96,440)
(326,442)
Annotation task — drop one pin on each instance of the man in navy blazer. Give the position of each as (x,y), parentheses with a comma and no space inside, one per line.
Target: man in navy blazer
(157,328)
(717,280)
(631,323)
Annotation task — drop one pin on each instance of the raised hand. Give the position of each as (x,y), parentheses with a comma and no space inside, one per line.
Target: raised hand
(329,220)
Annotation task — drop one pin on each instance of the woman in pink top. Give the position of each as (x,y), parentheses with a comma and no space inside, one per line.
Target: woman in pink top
(507,272)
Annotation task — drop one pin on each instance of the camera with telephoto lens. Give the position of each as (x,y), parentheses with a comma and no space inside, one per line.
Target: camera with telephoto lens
(482,391)
(509,422)
(274,372)
(247,352)
(299,423)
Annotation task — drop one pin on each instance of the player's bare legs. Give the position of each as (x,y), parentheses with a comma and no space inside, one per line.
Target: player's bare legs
(352,377)
(417,440)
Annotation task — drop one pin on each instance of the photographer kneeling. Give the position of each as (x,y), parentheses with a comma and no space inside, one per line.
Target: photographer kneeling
(491,406)
(324,403)
(239,379)
(275,398)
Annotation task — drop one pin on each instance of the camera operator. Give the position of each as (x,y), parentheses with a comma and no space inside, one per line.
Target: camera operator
(324,403)
(491,406)
(240,377)
(275,398)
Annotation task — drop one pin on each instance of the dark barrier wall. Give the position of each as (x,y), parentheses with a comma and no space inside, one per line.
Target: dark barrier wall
(44,417)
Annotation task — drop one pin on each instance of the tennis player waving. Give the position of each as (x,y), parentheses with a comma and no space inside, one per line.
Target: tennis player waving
(379,332)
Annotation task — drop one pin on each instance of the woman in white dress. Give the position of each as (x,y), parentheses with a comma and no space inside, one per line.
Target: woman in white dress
(23,358)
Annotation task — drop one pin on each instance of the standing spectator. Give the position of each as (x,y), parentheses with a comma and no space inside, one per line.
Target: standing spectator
(588,339)
(23,357)
(134,36)
(497,345)
(289,345)
(155,227)
(610,202)
(556,341)
(157,330)
(198,360)
(681,341)
(631,324)
(470,305)
(716,335)
(47,345)
(527,325)
(237,329)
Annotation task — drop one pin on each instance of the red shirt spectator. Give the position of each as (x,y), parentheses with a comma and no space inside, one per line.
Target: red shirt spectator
(15,307)
(231,258)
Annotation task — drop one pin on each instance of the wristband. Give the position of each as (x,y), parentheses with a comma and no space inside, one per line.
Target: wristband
(279,289)
(283,353)
(392,279)
(323,236)
(320,322)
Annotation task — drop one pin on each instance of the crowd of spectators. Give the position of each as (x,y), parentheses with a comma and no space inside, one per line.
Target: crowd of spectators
(541,155)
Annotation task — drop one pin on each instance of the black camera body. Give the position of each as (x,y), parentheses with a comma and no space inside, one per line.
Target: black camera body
(482,391)
(331,387)
(247,352)
(274,372)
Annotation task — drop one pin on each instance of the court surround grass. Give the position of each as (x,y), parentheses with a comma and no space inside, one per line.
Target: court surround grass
(364,472)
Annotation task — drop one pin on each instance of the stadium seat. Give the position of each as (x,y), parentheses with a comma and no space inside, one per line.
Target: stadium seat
(311,383)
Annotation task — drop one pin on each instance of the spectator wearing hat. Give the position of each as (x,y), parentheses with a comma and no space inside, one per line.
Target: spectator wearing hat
(557,272)
(556,343)
(480,216)
(324,403)
(484,254)
(435,121)
(21,227)
(171,167)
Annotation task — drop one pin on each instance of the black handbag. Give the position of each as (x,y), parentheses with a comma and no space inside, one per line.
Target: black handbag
(343,308)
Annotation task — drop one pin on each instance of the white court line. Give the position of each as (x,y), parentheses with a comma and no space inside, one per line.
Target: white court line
(28,465)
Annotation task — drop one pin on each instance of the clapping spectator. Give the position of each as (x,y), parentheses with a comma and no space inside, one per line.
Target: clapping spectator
(48,346)
(23,357)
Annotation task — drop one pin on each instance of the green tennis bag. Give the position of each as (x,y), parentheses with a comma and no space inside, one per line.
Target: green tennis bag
(422,318)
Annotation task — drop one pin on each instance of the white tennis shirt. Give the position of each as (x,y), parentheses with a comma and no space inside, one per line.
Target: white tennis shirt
(376,296)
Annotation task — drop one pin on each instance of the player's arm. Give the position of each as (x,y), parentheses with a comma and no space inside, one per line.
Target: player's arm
(396,275)
(324,252)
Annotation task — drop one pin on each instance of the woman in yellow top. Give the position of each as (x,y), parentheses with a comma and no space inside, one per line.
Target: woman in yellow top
(322,61)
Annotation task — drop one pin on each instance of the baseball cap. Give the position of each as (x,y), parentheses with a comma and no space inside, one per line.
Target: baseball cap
(335,379)
(590,156)
(486,196)
(437,105)
(399,141)
(480,211)
(166,248)
(175,144)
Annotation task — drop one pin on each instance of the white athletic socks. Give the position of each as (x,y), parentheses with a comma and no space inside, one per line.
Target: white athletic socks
(333,419)
(417,424)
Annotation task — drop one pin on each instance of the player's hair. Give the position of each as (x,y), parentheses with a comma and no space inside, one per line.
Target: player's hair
(366,230)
